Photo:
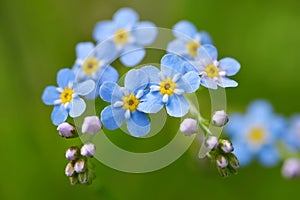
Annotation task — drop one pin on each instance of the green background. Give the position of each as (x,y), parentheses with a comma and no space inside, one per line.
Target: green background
(37,38)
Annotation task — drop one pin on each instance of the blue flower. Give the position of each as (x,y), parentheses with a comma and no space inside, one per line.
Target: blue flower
(124,104)
(128,35)
(214,72)
(168,86)
(66,97)
(188,40)
(292,136)
(92,63)
(255,134)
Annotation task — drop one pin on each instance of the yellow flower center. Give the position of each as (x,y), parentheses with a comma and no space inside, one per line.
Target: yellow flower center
(167,86)
(212,71)
(192,48)
(130,102)
(257,136)
(67,95)
(90,66)
(121,36)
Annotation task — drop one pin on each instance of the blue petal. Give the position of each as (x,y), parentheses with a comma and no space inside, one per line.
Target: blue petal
(104,30)
(152,73)
(111,92)
(112,118)
(178,47)
(259,111)
(50,94)
(108,74)
(242,153)
(125,17)
(171,65)
(77,107)
(106,51)
(278,126)
(235,125)
(226,82)
(190,82)
(204,38)
(85,87)
(132,55)
(138,125)
(184,29)
(144,33)
(177,106)
(207,54)
(230,66)
(135,80)
(59,114)
(208,83)
(151,103)
(269,156)
(83,49)
(64,77)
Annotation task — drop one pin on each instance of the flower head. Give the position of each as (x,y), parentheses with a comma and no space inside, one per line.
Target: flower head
(88,150)
(66,130)
(220,118)
(91,125)
(72,153)
(125,104)
(66,97)
(127,34)
(291,168)
(189,126)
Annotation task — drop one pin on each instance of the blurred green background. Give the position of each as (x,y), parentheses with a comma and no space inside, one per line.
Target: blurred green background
(37,38)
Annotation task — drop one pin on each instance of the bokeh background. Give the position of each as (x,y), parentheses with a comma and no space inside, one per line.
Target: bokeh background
(37,38)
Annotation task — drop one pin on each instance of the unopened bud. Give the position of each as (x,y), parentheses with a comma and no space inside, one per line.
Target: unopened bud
(66,130)
(224,172)
(88,150)
(220,118)
(291,168)
(73,180)
(79,166)
(211,142)
(226,146)
(72,153)
(91,125)
(83,178)
(188,126)
(233,161)
(221,161)
(69,171)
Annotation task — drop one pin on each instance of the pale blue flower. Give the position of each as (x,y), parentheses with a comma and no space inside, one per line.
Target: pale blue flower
(128,35)
(66,97)
(256,134)
(292,136)
(168,86)
(187,40)
(92,63)
(124,104)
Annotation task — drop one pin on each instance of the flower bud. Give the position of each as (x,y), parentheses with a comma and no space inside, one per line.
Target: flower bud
(226,146)
(83,178)
(211,142)
(221,161)
(224,172)
(88,150)
(220,118)
(71,153)
(188,126)
(73,180)
(80,166)
(69,171)
(66,130)
(91,125)
(233,161)
(291,168)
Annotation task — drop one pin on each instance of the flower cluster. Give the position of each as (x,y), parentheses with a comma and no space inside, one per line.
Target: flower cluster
(191,61)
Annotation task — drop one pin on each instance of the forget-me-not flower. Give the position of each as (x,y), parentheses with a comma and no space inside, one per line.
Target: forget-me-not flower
(292,136)
(66,97)
(188,40)
(124,104)
(128,35)
(168,86)
(256,134)
(214,72)
(92,63)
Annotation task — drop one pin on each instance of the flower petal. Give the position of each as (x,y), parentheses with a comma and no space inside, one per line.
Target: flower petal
(50,94)
(132,55)
(135,80)
(125,17)
(151,103)
(144,33)
(178,47)
(83,50)
(64,77)
(235,125)
(110,92)
(152,73)
(226,82)
(243,153)
(269,156)
(204,38)
(85,87)
(138,124)
(112,118)
(108,73)
(190,82)
(230,66)
(177,106)
(59,114)
(104,30)
(207,54)
(106,51)
(172,64)
(77,107)
(184,29)
(208,83)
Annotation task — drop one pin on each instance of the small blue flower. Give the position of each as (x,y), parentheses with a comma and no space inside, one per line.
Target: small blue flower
(188,40)
(92,63)
(128,35)
(256,134)
(214,72)
(292,136)
(168,86)
(124,104)
(66,97)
